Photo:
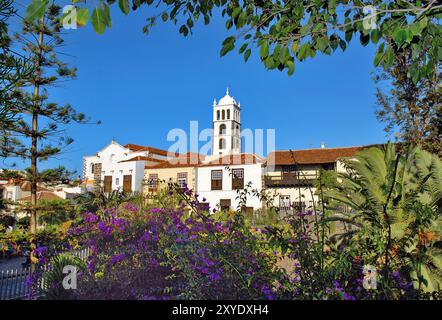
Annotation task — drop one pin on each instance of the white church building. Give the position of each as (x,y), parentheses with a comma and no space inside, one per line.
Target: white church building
(218,177)
(118,167)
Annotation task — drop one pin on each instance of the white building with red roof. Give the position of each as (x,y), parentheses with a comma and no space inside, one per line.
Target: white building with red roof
(118,167)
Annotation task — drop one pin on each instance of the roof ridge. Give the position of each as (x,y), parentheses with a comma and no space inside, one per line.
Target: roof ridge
(312,149)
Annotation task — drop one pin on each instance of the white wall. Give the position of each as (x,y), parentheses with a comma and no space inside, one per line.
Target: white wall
(252,173)
(110,159)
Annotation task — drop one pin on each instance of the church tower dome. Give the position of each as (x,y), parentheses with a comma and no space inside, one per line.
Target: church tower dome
(226,126)
(227,100)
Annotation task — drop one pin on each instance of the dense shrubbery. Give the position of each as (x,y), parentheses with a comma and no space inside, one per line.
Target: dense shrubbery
(171,254)
(180,249)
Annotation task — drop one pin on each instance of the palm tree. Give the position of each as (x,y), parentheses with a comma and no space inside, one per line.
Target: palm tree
(93,201)
(395,200)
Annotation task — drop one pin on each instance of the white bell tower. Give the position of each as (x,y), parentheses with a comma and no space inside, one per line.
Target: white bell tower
(226,126)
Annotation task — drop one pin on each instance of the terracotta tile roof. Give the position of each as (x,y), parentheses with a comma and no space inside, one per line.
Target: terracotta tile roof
(24,185)
(141,158)
(135,147)
(312,156)
(43,195)
(190,159)
(234,159)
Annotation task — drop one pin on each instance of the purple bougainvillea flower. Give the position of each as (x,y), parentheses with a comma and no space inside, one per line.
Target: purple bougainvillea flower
(131,207)
(41,251)
(90,217)
(117,258)
(214,277)
(269,294)
(156,210)
(348,296)
(104,228)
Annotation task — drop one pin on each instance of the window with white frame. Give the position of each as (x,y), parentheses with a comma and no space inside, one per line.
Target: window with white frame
(152,182)
(182,179)
(237,179)
(217,179)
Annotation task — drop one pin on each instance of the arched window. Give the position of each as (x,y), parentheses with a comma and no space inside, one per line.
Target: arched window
(224,115)
(222,129)
(217,115)
(228,114)
(92,168)
(222,144)
(237,129)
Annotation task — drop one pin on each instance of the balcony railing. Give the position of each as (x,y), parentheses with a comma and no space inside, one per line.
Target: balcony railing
(291,179)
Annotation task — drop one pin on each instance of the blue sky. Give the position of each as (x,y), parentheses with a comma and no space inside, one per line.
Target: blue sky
(141,87)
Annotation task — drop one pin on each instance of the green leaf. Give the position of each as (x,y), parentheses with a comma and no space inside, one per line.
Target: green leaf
(236,12)
(291,66)
(164,16)
(264,51)
(400,37)
(322,44)
(332,6)
(82,16)
(414,74)
(364,39)
(343,45)
(243,48)
(348,35)
(295,45)
(228,45)
(36,10)
(375,36)
(270,63)
(304,51)
(388,60)
(98,20)
(247,54)
(284,55)
(124,6)
(379,55)
(184,30)
(106,15)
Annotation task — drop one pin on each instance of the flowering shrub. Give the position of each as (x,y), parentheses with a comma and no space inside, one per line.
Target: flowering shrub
(186,250)
(171,254)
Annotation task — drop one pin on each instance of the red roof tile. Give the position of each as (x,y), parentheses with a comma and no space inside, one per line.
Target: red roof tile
(43,195)
(141,158)
(234,159)
(135,147)
(311,156)
(190,159)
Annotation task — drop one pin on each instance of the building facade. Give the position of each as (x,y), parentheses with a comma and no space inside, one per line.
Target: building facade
(118,167)
(291,175)
(182,172)
(287,176)
(221,181)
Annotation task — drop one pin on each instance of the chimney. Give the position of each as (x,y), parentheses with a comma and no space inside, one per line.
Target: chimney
(322,145)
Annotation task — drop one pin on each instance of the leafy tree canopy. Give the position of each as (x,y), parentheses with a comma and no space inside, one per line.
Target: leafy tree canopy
(54,175)
(290,30)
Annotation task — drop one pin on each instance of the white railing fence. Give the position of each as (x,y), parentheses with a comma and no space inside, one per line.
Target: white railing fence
(13,282)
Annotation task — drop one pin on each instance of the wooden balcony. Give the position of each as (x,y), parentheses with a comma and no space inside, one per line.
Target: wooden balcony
(291,179)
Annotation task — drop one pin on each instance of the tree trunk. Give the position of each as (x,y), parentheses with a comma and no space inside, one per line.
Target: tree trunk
(34,133)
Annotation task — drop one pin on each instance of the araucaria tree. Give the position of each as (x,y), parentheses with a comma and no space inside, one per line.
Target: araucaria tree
(13,68)
(38,134)
(411,106)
